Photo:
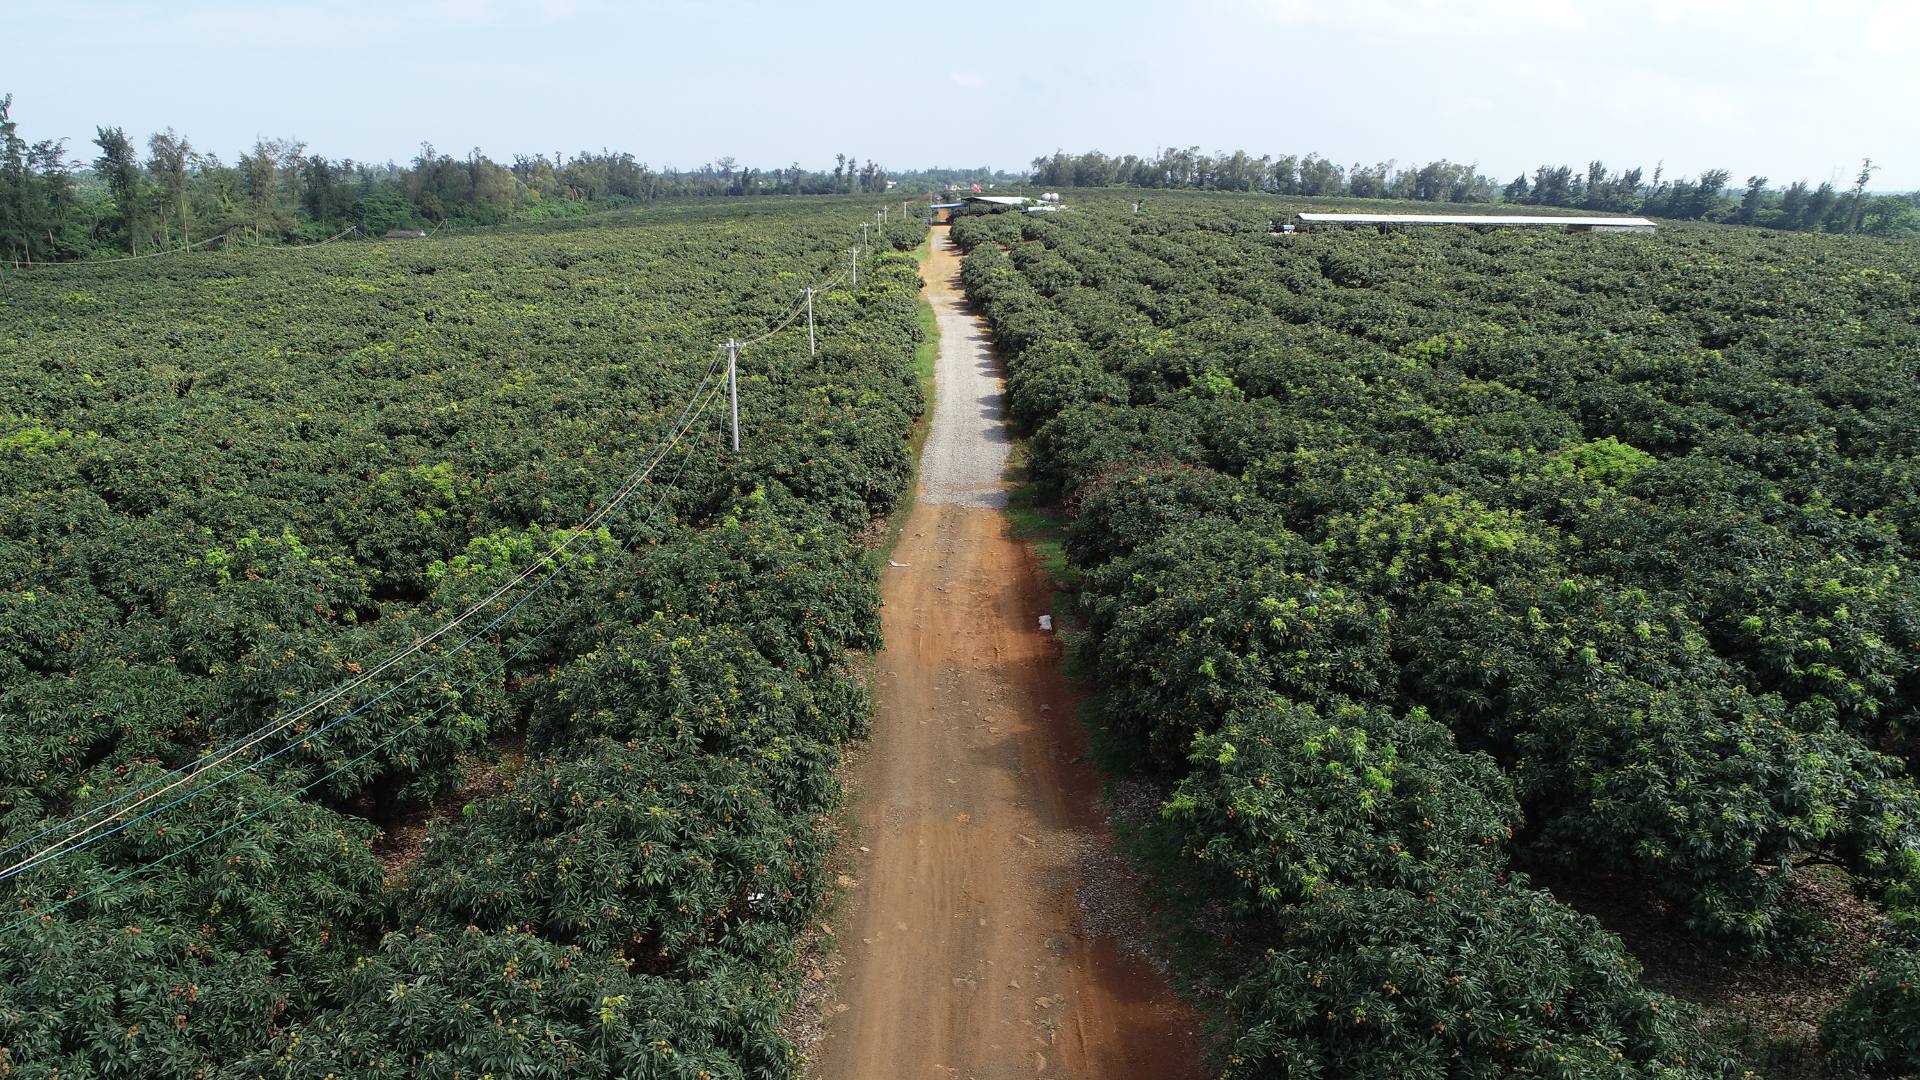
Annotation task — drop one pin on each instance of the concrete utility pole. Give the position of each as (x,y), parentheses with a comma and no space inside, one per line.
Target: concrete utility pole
(812,348)
(854,254)
(733,388)
(863,234)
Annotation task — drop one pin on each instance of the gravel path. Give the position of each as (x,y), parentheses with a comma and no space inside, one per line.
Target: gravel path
(965,461)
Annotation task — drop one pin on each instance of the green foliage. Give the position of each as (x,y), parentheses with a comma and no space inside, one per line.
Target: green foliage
(237,483)
(465,1002)
(1284,805)
(29,437)
(1471,978)
(1132,507)
(1876,1031)
(1594,189)
(639,850)
(1605,461)
(180,199)
(1632,517)
(1211,618)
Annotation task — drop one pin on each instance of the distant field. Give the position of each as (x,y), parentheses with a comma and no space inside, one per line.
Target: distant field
(574,837)
(1415,560)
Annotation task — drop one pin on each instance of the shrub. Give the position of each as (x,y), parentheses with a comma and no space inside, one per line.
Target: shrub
(1876,1031)
(1472,978)
(1283,804)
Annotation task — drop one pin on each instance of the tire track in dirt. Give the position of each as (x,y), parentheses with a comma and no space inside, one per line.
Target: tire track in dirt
(978,812)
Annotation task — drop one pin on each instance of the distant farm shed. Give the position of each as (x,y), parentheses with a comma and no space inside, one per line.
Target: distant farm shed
(942,213)
(405,234)
(1571,224)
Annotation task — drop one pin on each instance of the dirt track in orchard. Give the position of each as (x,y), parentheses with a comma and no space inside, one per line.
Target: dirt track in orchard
(988,913)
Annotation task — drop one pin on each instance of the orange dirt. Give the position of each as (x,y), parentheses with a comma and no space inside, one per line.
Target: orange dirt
(966,954)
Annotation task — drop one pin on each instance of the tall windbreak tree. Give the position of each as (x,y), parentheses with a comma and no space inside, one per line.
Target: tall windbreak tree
(1751,201)
(172,158)
(1595,188)
(1857,198)
(265,170)
(119,165)
(14,225)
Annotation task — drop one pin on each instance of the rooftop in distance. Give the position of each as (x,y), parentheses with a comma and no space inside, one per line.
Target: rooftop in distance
(1047,203)
(1572,224)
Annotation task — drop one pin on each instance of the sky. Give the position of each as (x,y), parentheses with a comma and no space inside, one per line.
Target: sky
(1789,90)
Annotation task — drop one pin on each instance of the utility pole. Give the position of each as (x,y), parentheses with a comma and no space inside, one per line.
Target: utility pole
(854,254)
(812,348)
(863,234)
(733,387)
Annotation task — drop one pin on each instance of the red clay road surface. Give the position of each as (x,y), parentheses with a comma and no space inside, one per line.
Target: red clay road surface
(967,957)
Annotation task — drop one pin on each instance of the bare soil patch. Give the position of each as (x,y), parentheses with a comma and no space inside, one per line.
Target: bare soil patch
(987,913)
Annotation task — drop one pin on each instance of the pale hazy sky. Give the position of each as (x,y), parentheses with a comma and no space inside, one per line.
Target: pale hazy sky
(1789,90)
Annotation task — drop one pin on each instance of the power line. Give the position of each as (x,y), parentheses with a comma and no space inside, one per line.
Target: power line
(124,258)
(286,719)
(283,800)
(805,304)
(225,234)
(794,312)
(68,846)
(214,757)
(209,762)
(335,236)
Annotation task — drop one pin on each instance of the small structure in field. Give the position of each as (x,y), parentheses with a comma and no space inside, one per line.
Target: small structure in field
(999,202)
(1570,224)
(942,213)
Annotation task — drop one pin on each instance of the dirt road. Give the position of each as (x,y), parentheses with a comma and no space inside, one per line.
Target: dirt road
(984,857)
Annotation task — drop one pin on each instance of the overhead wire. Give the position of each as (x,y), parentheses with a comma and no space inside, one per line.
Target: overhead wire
(128,258)
(184,775)
(218,757)
(331,239)
(794,313)
(225,234)
(215,757)
(357,759)
(81,839)
(785,321)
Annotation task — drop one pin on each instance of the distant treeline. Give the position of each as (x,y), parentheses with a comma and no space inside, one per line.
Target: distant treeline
(55,207)
(56,204)
(1706,197)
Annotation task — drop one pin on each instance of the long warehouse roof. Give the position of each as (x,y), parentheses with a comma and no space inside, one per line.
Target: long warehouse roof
(1472,219)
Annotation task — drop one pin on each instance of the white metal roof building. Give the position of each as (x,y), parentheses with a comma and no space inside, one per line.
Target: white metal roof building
(943,212)
(1571,224)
